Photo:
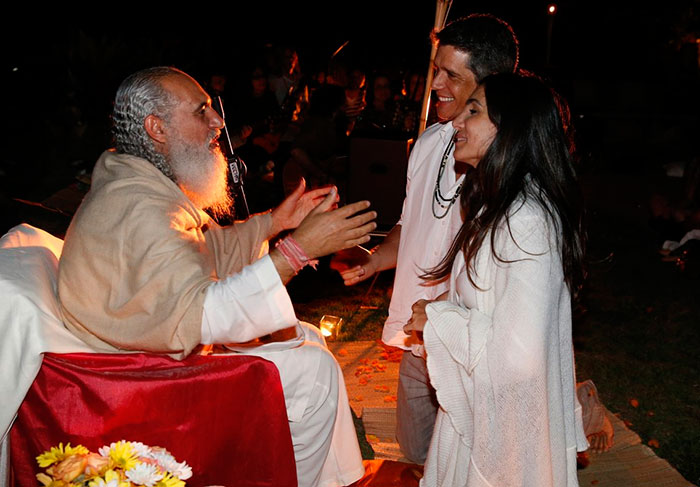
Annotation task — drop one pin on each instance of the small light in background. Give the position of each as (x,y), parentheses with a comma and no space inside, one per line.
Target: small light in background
(551,9)
(15,69)
(330,326)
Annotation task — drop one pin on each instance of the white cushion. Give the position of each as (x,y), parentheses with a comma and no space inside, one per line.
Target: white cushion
(30,322)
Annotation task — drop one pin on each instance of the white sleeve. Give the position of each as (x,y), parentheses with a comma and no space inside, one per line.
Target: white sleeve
(246,305)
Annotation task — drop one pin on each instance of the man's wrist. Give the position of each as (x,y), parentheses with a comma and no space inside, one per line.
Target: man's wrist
(276,226)
(375,260)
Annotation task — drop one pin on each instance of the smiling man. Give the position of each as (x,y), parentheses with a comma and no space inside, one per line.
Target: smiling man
(469,49)
(144,268)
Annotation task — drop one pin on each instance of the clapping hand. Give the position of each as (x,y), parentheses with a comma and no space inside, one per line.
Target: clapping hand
(326,230)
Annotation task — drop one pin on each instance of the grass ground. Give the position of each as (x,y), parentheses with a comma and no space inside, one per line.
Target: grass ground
(636,330)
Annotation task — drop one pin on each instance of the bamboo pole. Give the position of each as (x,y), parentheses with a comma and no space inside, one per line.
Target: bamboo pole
(441,9)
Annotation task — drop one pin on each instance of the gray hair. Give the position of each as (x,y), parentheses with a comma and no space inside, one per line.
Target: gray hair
(142,94)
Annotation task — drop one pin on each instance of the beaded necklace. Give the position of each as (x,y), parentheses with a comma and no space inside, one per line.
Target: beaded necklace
(444,204)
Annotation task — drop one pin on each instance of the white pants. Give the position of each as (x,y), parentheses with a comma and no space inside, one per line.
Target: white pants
(326,450)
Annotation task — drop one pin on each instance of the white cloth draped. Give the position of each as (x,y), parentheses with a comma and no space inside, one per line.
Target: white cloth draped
(30,322)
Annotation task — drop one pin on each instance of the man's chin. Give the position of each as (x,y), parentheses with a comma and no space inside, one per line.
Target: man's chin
(445,115)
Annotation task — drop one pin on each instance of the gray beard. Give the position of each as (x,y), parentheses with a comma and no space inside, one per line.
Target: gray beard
(202,176)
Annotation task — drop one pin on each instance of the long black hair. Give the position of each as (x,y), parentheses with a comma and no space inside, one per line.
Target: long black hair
(531,157)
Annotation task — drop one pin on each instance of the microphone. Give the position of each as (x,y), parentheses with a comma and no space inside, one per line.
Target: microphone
(236,167)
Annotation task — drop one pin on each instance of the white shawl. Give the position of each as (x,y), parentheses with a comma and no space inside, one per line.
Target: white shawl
(504,370)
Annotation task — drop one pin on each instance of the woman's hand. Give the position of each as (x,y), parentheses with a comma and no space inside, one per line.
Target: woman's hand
(418,318)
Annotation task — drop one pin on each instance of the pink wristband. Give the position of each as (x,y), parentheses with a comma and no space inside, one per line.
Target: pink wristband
(295,255)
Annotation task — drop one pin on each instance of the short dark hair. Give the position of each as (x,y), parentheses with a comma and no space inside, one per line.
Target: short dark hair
(490,42)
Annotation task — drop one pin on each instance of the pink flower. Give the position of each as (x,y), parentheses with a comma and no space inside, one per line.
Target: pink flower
(69,468)
(96,464)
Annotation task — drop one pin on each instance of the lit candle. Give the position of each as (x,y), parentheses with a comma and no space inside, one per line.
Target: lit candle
(330,326)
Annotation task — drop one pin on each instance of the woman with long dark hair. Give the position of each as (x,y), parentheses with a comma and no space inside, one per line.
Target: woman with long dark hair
(498,346)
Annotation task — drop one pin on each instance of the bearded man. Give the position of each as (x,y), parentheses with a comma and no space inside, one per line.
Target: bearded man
(144,268)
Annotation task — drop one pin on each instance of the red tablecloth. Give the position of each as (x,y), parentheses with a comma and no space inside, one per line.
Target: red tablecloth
(223,415)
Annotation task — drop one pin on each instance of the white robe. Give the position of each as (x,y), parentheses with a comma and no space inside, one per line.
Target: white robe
(504,369)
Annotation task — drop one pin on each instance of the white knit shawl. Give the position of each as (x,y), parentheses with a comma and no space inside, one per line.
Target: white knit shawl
(504,370)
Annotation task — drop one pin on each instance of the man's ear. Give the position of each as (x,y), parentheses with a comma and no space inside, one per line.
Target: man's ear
(155,126)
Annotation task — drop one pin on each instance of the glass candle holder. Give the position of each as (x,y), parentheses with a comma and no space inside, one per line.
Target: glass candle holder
(330,326)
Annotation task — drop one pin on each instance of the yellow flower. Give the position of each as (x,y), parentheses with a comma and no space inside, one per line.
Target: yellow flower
(47,481)
(111,479)
(56,454)
(170,481)
(123,455)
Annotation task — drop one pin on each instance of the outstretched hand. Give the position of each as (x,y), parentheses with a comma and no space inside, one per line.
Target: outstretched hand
(326,230)
(295,207)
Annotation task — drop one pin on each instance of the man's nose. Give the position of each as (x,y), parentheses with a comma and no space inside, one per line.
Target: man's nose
(438,80)
(215,120)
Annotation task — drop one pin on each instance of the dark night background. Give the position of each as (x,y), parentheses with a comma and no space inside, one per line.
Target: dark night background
(629,70)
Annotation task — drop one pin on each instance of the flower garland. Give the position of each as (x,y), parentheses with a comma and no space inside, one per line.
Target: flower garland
(121,464)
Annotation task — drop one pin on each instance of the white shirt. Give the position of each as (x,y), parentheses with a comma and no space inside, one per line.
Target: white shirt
(425,239)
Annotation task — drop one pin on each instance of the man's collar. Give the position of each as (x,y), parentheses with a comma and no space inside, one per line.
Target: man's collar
(447,131)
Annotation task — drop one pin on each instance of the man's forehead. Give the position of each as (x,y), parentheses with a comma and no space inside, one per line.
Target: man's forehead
(454,59)
(185,88)
(453,52)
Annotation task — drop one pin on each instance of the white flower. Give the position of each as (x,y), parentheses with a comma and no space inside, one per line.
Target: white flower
(144,474)
(182,471)
(168,462)
(164,459)
(141,450)
(101,483)
(104,451)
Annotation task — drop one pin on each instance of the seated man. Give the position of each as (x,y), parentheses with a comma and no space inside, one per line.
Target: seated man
(145,268)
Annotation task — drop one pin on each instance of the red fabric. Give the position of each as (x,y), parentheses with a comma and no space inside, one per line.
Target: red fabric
(224,415)
(388,473)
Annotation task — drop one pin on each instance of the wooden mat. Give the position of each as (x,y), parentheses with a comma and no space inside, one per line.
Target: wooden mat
(372,391)
(629,463)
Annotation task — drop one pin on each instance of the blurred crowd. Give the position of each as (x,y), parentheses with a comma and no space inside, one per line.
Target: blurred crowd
(286,123)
